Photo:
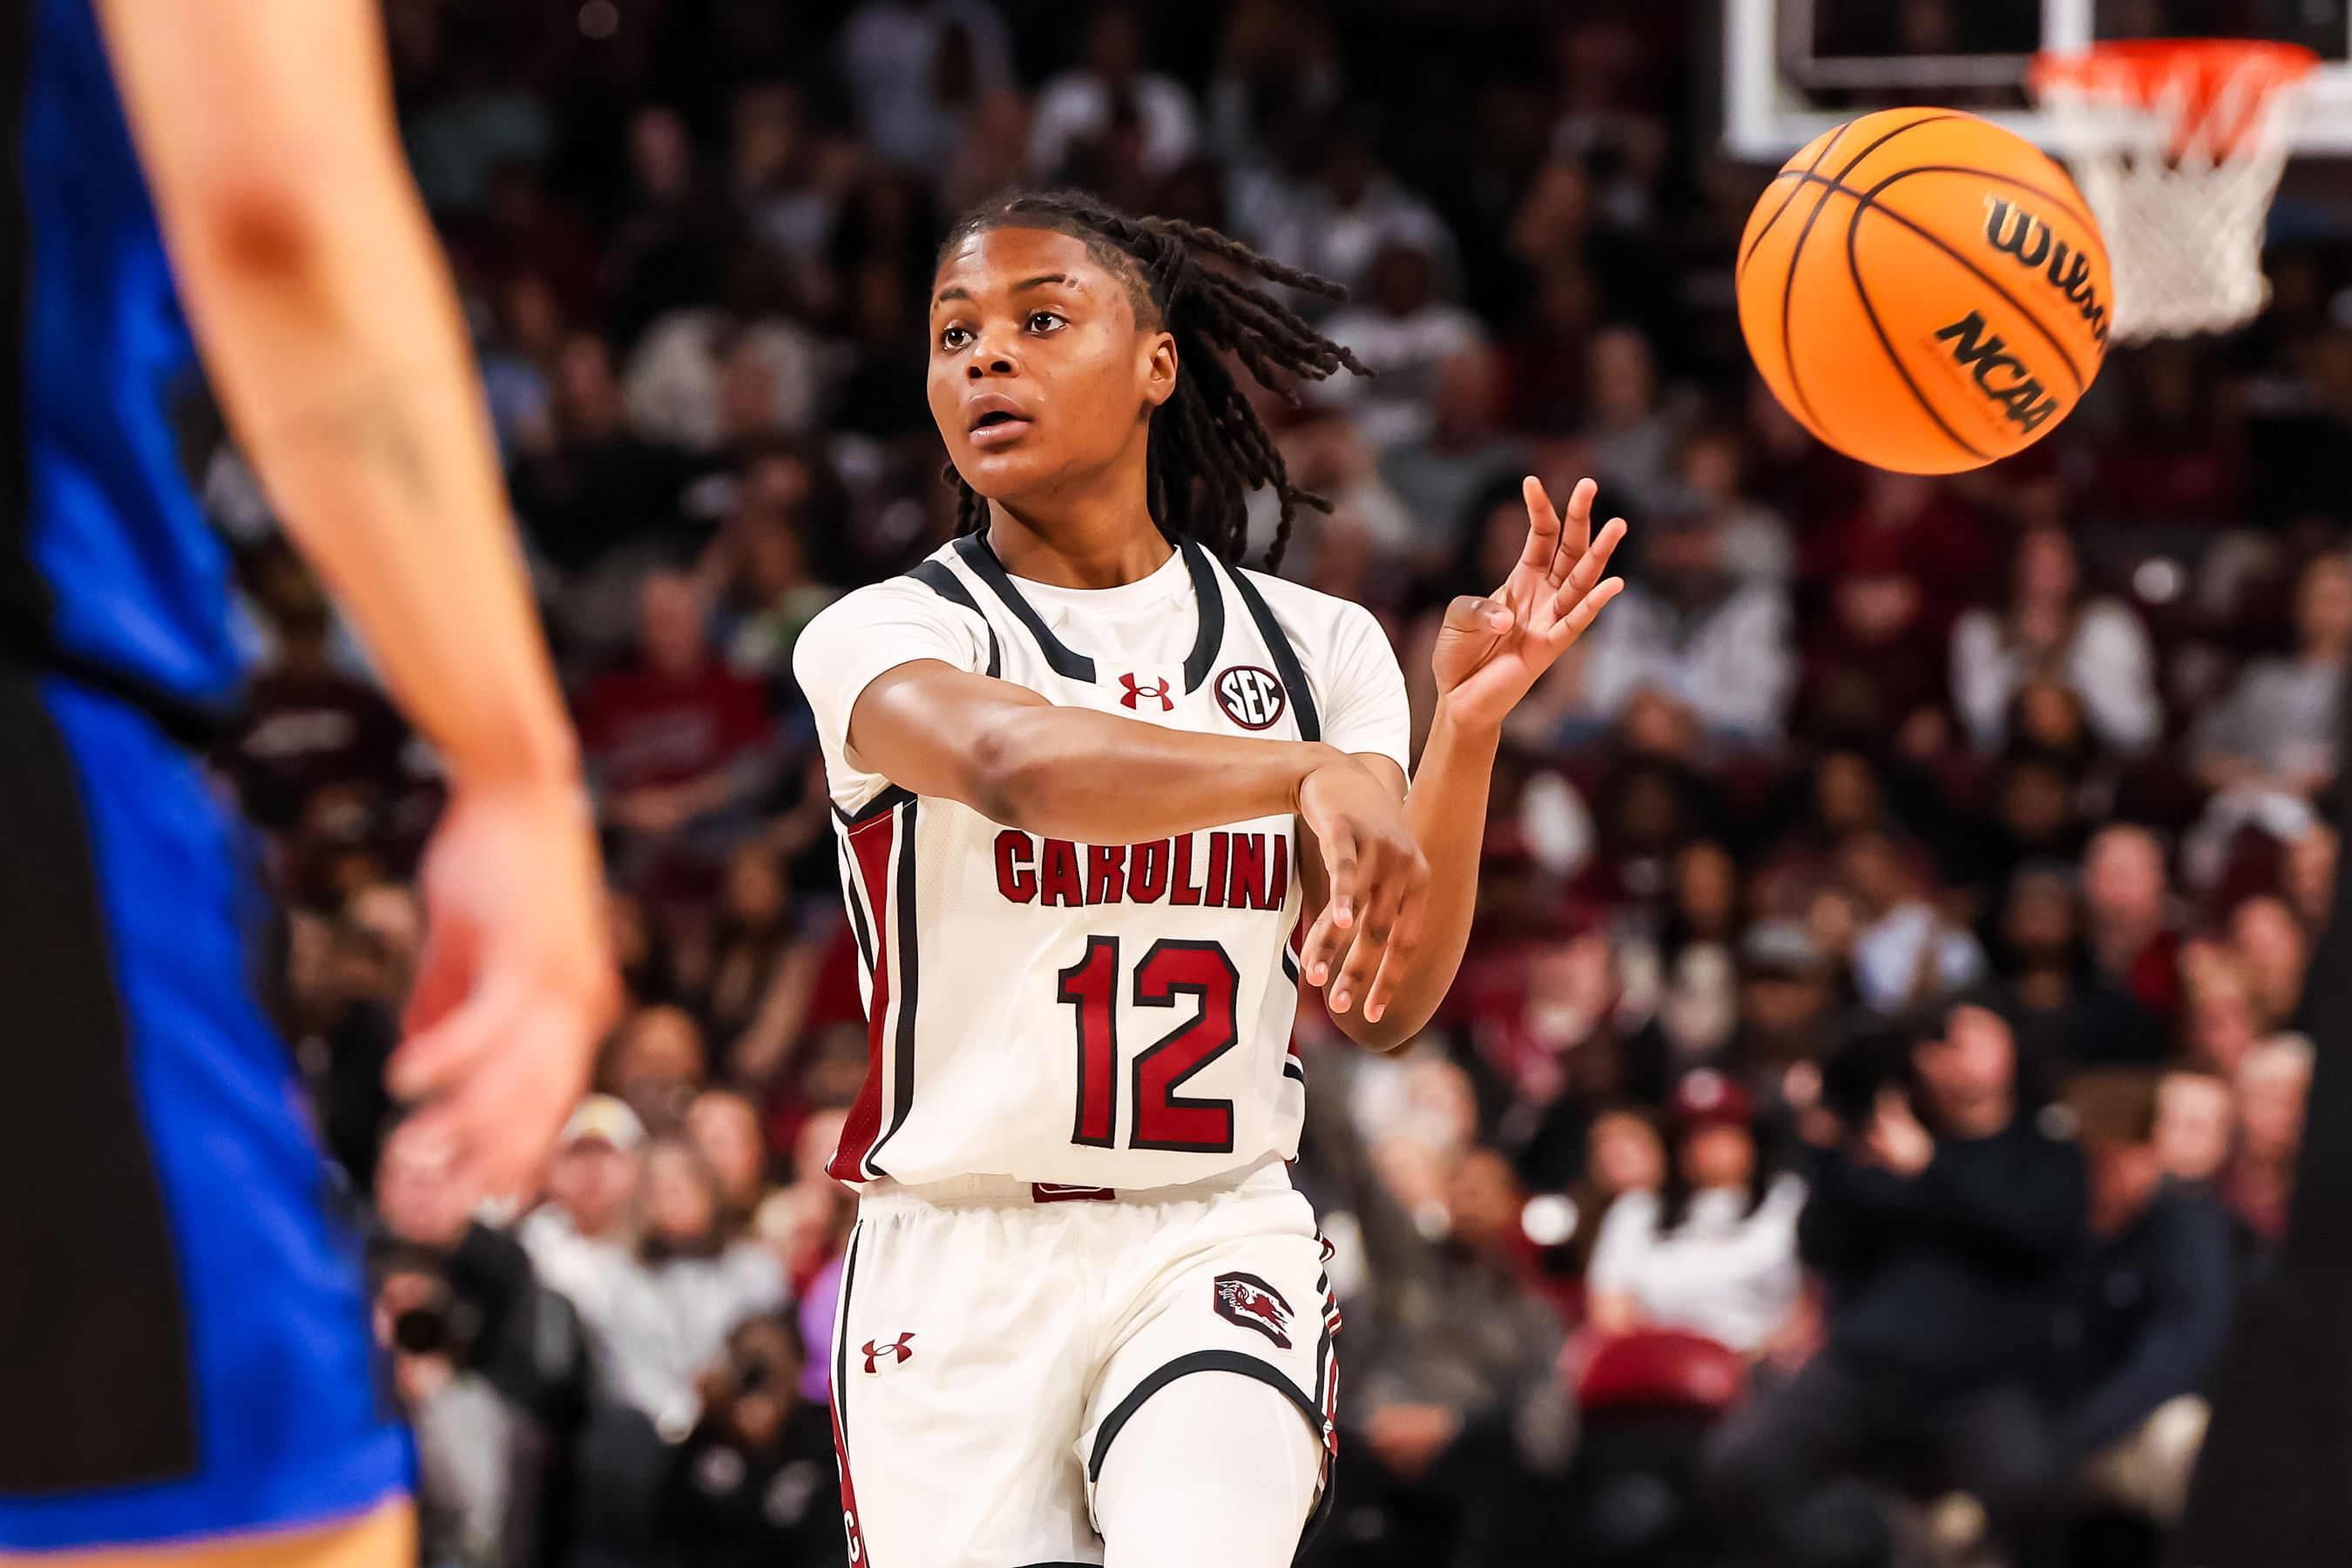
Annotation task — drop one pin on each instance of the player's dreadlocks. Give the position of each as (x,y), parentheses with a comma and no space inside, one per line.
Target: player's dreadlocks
(1207,449)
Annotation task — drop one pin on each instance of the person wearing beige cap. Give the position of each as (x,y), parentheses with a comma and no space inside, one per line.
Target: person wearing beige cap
(582,1240)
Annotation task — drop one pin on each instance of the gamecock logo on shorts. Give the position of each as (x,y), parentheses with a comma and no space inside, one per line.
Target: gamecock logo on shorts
(1246,1299)
(1251,696)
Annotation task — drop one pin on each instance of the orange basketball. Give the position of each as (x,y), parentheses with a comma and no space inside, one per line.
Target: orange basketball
(1925,290)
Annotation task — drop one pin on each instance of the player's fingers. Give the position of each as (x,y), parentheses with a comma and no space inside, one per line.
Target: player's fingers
(1336,839)
(1388,880)
(1543,529)
(1321,950)
(444,976)
(1579,617)
(1362,961)
(508,1115)
(1587,571)
(427,1064)
(1471,614)
(1576,530)
(1396,961)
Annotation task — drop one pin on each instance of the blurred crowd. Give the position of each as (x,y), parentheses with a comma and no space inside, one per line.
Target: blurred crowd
(1876,1065)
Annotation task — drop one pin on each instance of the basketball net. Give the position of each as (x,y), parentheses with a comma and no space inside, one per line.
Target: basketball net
(2179,144)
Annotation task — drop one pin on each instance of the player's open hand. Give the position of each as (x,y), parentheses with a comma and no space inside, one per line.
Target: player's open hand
(1362,945)
(1491,650)
(517,986)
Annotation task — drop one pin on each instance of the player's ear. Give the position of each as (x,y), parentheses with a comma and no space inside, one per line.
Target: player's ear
(1158,367)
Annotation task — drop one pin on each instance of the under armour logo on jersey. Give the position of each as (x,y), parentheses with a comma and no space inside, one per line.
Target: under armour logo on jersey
(896,1350)
(1251,696)
(1156,691)
(1250,1301)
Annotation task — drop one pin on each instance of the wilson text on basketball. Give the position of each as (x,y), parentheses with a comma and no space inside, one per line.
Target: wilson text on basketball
(2037,247)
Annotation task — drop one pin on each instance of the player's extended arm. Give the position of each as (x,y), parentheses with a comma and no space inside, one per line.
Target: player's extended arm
(331,333)
(1097,778)
(1489,653)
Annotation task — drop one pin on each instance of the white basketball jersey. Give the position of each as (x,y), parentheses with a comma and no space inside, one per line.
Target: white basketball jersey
(1084,1015)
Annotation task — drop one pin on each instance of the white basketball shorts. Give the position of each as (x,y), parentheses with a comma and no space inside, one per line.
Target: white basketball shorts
(994,1337)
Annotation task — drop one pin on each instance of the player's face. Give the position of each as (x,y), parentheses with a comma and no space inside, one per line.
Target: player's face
(1040,374)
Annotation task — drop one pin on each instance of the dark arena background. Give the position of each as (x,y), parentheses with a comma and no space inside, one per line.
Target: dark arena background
(1883,1117)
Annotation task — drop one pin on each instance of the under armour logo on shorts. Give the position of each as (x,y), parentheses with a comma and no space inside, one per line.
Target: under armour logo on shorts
(1158,691)
(896,1350)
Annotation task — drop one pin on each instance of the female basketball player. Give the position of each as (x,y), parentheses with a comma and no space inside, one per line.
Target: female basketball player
(1082,1311)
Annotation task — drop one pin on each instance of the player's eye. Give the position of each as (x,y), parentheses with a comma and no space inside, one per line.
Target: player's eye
(954,338)
(1042,321)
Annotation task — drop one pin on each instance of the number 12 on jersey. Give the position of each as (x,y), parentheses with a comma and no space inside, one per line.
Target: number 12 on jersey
(1163,1119)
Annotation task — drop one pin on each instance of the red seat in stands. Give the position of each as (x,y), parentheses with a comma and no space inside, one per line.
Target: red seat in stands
(1661,1369)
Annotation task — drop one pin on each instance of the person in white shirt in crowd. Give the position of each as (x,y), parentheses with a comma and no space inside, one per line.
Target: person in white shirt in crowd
(582,1241)
(1444,475)
(1405,333)
(631,1236)
(1902,949)
(696,1287)
(2276,730)
(1713,1250)
(2095,647)
(1637,426)
(1111,92)
(1691,631)
(891,56)
(1330,207)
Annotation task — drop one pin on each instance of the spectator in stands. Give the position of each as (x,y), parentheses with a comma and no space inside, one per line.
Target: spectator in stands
(2273,1084)
(581,1239)
(1441,476)
(902,60)
(2067,1012)
(310,728)
(2127,915)
(1406,335)
(1942,1237)
(1713,1250)
(677,744)
(476,1465)
(2272,949)
(658,1065)
(1785,1000)
(1108,122)
(1332,206)
(592,485)
(1904,949)
(725,1130)
(2278,728)
(518,1335)
(2095,647)
(1694,632)
(753,1484)
(1756,546)
(691,1289)
(1455,1386)
(1637,426)
(735,367)
(2195,1122)
(2146,1311)
(1623,1155)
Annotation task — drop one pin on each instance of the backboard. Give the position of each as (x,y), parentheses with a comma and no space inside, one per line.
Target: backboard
(1793,68)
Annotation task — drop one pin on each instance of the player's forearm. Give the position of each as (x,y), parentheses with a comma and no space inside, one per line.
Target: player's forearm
(1446,808)
(331,334)
(1071,772)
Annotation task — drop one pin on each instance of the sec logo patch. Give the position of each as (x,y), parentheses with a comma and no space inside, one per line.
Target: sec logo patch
(1251,696)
